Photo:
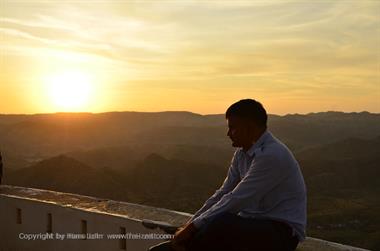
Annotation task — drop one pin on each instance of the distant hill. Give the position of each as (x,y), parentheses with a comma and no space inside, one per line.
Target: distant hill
(62,173)
(118,158)
(343,191)
(128,157)
(347,164)
(173,183)
(30,138)
(303,131)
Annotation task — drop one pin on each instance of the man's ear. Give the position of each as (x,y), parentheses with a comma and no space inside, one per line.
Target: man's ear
(250,128)
(251,124)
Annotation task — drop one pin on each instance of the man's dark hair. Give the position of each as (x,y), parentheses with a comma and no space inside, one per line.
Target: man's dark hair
(248,109)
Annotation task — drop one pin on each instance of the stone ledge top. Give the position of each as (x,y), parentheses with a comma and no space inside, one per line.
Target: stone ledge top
(97,205)
(136,212)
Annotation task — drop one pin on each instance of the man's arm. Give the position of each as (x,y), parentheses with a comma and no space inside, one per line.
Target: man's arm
(228,185)
(265,173)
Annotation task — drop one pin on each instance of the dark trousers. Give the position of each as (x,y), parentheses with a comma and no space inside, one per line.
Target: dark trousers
(230,232)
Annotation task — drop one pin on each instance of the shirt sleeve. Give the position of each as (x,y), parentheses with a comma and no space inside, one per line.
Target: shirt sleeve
(228,185)
(266,171)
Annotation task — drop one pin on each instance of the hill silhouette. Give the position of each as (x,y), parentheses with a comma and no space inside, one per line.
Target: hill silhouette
(128,157)
(123,157)
(173,183)
(62,173)
(342,185)
(348,164)
(29,138)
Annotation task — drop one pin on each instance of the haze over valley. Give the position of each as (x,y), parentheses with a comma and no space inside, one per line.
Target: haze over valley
(177,160)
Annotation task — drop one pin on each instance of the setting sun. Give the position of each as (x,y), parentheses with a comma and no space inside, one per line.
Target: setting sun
(294,56)
(70,91)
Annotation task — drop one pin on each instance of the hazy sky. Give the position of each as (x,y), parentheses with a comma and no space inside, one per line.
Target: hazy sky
(199,56)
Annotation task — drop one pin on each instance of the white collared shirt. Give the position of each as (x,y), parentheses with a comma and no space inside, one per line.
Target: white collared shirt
(265,182)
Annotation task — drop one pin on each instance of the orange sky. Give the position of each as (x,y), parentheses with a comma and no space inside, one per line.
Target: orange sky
(199,56)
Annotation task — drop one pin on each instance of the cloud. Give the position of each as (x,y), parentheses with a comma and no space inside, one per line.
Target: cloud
(275,47)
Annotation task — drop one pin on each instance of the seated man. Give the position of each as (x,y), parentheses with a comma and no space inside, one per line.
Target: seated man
(262,202)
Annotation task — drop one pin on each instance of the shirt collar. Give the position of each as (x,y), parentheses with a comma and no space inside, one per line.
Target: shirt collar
(258,143)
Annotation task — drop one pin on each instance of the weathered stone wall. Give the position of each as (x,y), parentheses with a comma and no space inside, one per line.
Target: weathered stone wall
(35,213)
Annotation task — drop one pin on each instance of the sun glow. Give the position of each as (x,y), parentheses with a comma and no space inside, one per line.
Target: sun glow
(70,91)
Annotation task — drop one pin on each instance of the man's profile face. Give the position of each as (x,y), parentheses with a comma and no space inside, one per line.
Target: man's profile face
(240,131)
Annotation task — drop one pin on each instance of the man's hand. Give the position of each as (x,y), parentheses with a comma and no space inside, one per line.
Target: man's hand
(183,235)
